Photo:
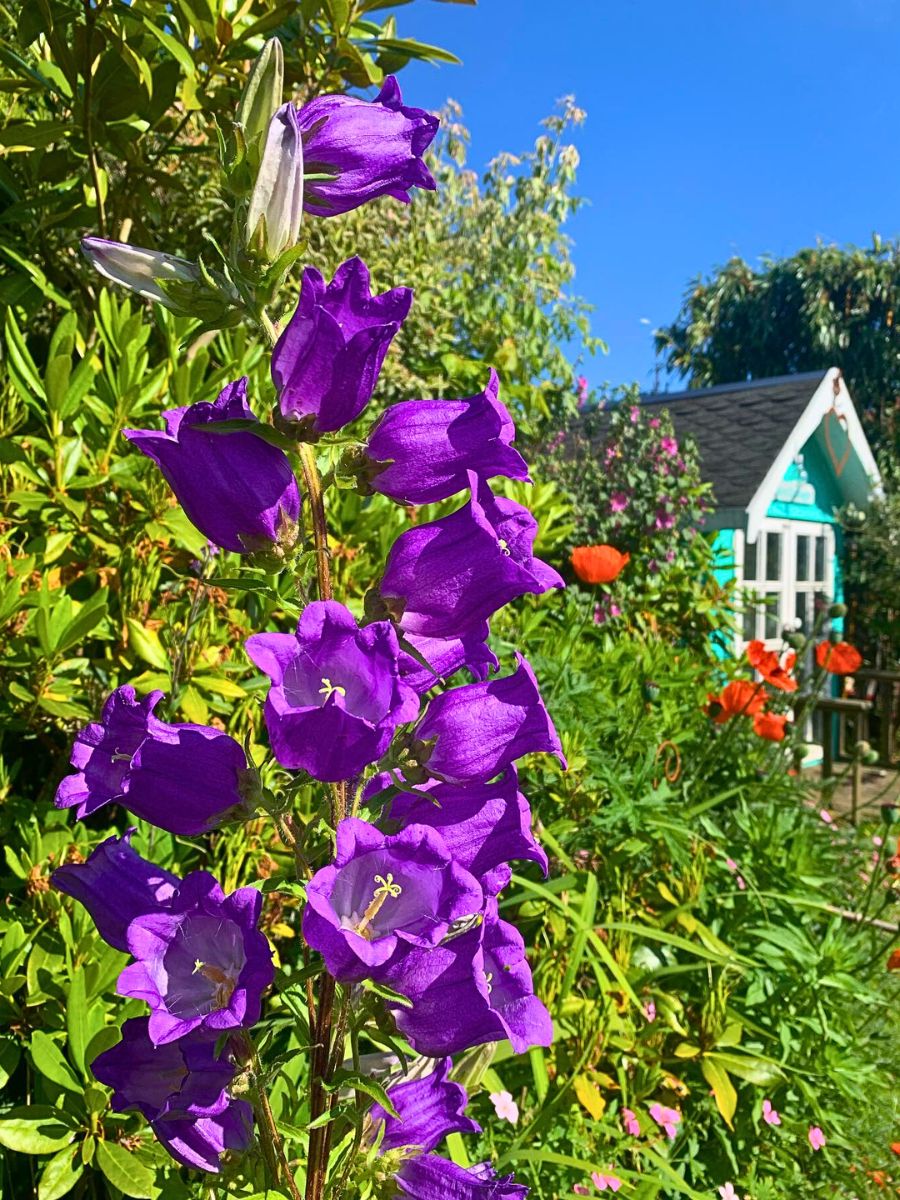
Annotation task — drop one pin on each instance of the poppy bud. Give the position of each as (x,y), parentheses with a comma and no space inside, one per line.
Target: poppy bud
(870,758)
(890,814)
(838,610)
(650,691)
(795,640)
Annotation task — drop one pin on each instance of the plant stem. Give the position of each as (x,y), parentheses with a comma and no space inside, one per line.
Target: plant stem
(272,1144)
(90,17)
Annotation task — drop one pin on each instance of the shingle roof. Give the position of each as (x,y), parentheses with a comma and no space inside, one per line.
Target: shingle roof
(739,428)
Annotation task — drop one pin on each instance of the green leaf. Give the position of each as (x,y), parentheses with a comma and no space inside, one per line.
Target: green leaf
(723,1089)
(10,1053)
(124,1171)
(83,1020)
(753,1068)
(146,644)
(35,1129)
(60,1174)
(49,1061)
(362,1083)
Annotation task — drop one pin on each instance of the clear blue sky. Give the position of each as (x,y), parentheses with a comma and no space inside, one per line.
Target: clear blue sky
(715,128)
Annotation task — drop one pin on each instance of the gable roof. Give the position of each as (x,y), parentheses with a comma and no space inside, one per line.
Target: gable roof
(748,434)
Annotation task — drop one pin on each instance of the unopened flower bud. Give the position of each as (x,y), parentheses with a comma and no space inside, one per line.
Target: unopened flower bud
(143,271)
(795,640)
(262,96)
(276,204)
(890,814)
(187,288)
(837,610)
(650,691)
(862,748)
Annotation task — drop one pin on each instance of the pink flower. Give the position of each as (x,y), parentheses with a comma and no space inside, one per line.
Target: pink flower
(667,1118)
(816,1137)
(653,422)
(630,1121)
(669,446)
(602,1182)
(826,816)
(505,1107)
(727,1192)
(650,1011)
(582,391)
(618,502)
(770,1116)
(634,414)
(877,841)
(741,882)
(580,1190)
(731,864)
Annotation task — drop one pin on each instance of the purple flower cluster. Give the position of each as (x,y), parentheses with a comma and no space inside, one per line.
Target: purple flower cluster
(199,960)
(410,900)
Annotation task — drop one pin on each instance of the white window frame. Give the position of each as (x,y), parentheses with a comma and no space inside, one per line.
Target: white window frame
(787,586)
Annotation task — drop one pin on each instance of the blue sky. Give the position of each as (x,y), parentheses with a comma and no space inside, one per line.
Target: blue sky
(715,128)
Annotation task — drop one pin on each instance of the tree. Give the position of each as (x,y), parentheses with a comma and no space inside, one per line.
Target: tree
(822,307)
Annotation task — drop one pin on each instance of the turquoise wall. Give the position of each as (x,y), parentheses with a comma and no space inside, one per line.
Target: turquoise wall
(820,474)
(724,571)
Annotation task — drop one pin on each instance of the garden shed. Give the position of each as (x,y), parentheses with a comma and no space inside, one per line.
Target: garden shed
(783,455)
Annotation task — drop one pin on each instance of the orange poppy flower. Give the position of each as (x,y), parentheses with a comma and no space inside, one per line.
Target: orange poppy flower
(738,699)
(775,671)
(893,963)
(598,564)
(895,1146)
(770,726)
(839,658)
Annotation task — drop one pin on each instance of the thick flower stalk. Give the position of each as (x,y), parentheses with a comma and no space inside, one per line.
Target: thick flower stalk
(358,713)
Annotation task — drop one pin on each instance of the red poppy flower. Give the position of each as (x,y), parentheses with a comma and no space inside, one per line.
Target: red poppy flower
(773,670)
(770,726)
(738,699)
(598,564)
(893,963)
(895,1146)
(840,658)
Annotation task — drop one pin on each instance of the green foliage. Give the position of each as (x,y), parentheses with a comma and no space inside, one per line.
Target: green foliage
(821,307)
(872,574)
(630,484)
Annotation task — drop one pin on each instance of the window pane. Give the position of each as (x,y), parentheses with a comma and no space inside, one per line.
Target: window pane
(773,622)
(820,558)
(750,560)
(773,556)
(800,609)
(802,558)
(750,623)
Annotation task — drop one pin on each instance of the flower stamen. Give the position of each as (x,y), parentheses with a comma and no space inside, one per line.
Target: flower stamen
(386,887)
(328,688)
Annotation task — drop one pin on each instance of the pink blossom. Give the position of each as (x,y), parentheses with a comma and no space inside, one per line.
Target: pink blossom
(602,1182)
(826,816)
(731,864)
(669,446)
(580,1190)
(618,502)
(654,422)
(816,1137)
(670,555)
(664,520)
(727,1192)
(667,1118)
(634,414)
(505,1107)
(770,1116)
(741,882)
(877,841)
(650,1011)
(630,1121)
(582,391)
